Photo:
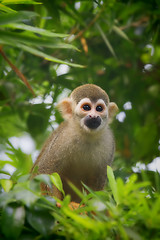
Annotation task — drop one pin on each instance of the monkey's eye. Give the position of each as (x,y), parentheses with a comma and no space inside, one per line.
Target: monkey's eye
(99,108)
(86,107)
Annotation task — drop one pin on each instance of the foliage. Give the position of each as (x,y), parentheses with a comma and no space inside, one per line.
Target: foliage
(32,216)
(114,44)
(119,47)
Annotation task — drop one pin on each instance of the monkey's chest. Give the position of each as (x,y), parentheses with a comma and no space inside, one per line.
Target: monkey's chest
(94,176)
(87,166)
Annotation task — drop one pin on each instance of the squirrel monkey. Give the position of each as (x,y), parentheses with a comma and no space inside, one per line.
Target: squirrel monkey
(80,149)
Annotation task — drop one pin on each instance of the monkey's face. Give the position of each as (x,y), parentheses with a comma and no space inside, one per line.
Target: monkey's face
(88,107)
(92,116)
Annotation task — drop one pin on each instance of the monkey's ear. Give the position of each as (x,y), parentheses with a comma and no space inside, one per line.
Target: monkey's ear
(65,107)
(112,109)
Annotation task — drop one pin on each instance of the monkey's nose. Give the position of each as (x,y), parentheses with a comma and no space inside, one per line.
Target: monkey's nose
(92,122)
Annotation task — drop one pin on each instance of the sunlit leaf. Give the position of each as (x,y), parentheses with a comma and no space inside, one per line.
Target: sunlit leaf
(6,9)
(56,180)
(3,163)
(6,184)
(113,184)
(19,2)
(76,190)
(84,221)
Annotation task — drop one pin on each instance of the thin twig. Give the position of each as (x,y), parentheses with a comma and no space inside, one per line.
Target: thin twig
(17,71)
(142,21)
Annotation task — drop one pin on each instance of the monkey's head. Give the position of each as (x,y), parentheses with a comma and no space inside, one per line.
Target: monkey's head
(89,107)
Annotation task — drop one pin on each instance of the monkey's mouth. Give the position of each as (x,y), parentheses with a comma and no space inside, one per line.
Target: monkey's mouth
(92,122)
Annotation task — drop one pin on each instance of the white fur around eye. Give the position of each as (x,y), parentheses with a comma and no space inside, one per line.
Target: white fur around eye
(81,103)
(101,102)
(105,108)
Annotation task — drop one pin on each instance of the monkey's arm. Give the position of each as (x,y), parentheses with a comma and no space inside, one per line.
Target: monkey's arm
(48,162)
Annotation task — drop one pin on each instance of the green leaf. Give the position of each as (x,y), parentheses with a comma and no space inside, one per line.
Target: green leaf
(16,17)
(41,220)
(40,31)
(106,40)
(90,191)
(84,221)
(6,2)
(44,178)
(6,198)
(120,33)
(6,184)
(26,197)
(76,190)
(46,56)
(133,234)
(6,9)
(3,163)
(12,157)
(5,172)
(8,40)
(56,180)
(12,221)
(113,184)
